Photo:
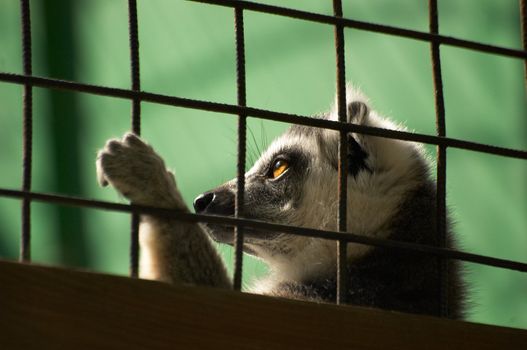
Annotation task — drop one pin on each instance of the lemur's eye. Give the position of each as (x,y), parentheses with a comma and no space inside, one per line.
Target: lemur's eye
(280,166)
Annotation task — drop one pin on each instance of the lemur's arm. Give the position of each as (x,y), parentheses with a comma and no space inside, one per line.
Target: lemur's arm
(171,250)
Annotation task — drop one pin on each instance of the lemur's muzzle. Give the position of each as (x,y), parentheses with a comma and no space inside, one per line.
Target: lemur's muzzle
(219,202)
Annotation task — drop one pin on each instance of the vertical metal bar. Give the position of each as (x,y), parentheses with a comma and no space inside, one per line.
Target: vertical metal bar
(25,242)
(242,135)
(136,124)
(523,21)
(441,156)
(342,266)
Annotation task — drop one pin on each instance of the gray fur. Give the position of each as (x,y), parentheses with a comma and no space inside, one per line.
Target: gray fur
(390,195)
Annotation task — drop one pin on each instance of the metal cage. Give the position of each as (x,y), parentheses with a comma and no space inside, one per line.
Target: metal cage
(136,96)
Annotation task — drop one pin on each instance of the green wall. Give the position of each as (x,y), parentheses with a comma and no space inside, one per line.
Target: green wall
(187,50)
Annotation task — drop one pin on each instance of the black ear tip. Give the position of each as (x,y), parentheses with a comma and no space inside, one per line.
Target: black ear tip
(358,110)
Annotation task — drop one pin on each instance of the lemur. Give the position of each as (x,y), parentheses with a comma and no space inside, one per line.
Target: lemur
(294,182)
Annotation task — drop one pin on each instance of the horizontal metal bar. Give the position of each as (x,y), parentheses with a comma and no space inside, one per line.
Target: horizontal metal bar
(260,113)
(367,26)
(261,225)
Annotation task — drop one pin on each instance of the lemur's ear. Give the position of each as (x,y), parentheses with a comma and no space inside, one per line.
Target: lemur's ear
(357,108)
(358,112)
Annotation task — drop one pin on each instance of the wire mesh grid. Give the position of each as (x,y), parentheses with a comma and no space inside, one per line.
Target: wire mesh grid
(136,96)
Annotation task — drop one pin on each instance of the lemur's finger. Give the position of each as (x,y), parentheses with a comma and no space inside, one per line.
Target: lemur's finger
(113,146)
(133,140)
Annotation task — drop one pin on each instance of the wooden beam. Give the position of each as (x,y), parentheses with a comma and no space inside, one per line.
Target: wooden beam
(43,307)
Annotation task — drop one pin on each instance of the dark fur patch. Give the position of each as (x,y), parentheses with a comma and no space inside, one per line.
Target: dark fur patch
(356,157)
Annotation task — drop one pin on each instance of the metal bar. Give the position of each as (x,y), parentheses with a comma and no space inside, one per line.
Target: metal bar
(261,113)
(25,241)
(242,111)
(136,123)
(441,157)
(367,26)
(134,245)
(523,21)
(261,225)
(134,65)
(242,136)
(342,252)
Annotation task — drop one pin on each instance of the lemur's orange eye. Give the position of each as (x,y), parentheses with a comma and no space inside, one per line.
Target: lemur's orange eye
(279,167)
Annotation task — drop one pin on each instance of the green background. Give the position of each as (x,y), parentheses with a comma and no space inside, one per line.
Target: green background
(187,50)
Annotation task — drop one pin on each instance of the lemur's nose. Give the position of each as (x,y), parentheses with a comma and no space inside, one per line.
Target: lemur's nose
(203,201)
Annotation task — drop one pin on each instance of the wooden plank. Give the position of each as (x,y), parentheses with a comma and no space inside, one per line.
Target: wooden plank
(43,307)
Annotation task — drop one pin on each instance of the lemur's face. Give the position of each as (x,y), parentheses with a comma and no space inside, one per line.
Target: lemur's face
(293,183)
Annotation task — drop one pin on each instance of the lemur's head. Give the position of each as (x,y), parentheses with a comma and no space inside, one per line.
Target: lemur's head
(295,182)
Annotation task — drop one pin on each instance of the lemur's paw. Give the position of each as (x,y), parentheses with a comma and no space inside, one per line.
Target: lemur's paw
(134,169)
